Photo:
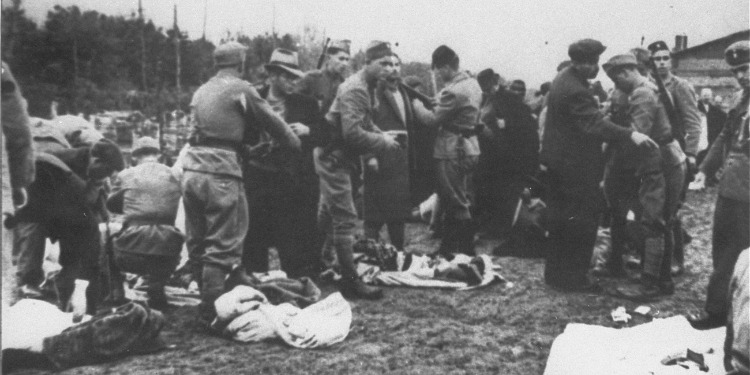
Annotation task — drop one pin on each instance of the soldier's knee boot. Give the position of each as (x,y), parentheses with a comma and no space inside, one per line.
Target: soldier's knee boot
(212,287)
(449,242)
(350,285)
(465,238)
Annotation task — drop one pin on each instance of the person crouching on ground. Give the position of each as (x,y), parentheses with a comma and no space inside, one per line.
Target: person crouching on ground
(148,195)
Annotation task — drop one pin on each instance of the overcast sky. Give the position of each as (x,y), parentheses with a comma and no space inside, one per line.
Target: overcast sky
(518,38)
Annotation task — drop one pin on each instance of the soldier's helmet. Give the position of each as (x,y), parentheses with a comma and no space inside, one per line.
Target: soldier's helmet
(738,54)
(229,54)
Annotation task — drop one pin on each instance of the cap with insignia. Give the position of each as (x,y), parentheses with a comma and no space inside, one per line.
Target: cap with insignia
(738,54)
(144,145)
(620,61)
(229,54)
(378,49)
(659,45)
(586,50)
(339,45)
(443,56)
(286,60)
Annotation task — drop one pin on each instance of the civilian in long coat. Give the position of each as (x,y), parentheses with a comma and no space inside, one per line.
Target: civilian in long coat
(387,176)
(572,151)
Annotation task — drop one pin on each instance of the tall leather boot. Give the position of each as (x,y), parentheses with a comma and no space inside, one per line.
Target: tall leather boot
(212,287)
(465,237)
(350,285)
(650,286)
(449,243)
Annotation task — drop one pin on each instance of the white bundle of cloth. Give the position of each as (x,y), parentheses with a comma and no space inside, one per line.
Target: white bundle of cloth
(28,322)
(244,314)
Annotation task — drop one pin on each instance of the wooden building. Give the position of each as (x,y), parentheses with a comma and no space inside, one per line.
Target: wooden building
(704,66)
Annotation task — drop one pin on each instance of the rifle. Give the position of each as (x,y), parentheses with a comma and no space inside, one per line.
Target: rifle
(678,131)
(426,100)
(322,57)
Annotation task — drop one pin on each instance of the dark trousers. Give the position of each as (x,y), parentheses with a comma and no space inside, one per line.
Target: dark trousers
(575,204)
(281,216)
(730,237)
(453,177)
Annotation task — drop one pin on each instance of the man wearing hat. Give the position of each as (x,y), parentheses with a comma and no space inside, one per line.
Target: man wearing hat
(352,112)
(456,148)
(227,114)
(660,174)
(732,213)
(687,127)
(322,84)
(572,150)
(281,184)
(149,244)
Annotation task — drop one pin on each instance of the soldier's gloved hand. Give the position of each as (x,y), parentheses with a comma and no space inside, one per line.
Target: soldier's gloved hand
(641,139)
(300,129)
(372,164)
(391,142)
(20,198)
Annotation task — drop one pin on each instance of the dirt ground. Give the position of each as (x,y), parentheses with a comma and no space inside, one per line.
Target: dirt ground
(495,330)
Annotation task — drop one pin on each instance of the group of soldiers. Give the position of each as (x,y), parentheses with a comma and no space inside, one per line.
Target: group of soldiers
(274,167)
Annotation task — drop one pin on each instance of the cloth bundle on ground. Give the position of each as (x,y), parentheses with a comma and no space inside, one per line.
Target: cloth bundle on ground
(382,264)
(645,349)
(246,315)
(33,326)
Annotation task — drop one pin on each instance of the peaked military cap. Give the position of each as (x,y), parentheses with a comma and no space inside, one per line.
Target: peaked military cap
(339,45)
(145,145)
(443,56)
(659,45)
(378,49)
(285,60)
(586,50)
(738,54)
(620,61)
(229,54)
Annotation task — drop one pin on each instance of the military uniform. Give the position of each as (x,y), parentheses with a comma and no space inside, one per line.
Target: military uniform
(572,150)
(149,244)
(353,111)
(227,111)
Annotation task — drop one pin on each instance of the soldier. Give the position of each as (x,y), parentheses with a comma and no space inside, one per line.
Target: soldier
(572,151)
(322,84)
(456,148)
(661,173)
(147,195)
(686,129)
(353,111)
(228,113)
(730,151)
(281,185)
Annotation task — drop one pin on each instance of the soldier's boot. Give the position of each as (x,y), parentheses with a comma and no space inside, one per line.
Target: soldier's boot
(651,285)
(465,237)
(157,298)
(449,242)
(350,285)
(212,287)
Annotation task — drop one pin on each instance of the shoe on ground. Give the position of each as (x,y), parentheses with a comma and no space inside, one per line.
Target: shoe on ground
(644,292)
(29,291)
(359,290)
(706,321)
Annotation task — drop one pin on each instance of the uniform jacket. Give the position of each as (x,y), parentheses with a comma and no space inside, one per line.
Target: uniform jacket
(229,109)
(575,129)
(457,109)
(321,85)
(513,146)
(148,196)
(731,149)
(16,133)
(715,119)
(387,191)
(354,110)
(683,97)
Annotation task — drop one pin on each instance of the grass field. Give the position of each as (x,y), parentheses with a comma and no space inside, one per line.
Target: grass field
(495,330)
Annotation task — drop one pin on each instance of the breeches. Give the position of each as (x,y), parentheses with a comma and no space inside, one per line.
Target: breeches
(452,184)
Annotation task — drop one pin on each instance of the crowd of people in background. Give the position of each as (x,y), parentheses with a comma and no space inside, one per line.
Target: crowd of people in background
(284,166)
